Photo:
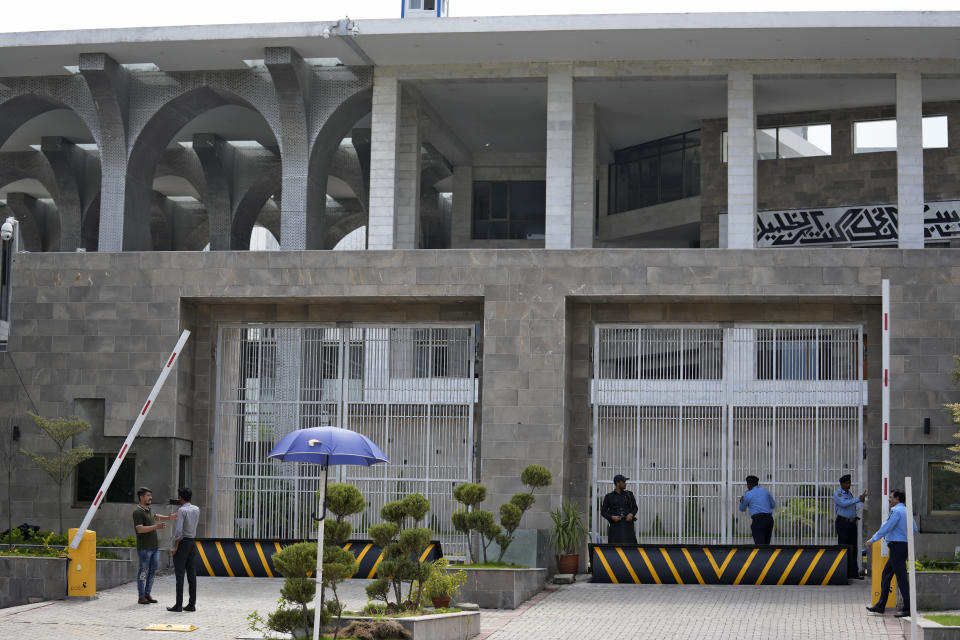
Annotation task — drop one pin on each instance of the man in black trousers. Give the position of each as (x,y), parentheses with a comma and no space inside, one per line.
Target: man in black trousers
(185,550)
(619,508)
(894,530)
(846,505)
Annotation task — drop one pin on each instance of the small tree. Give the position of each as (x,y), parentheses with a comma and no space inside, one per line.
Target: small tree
(339,564)
(401,547)
(534,477)
(60,466)
(296,563)
(472,518)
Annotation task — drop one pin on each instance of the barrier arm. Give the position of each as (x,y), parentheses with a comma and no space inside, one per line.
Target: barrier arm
(158,385)
(885,407)
(911,558)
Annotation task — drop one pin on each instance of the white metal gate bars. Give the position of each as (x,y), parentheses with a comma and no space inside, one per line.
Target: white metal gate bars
(687,412)
(409,388)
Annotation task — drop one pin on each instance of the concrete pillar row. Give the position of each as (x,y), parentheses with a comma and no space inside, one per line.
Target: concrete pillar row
(560,119)
(741,160)
(461,218)
(384,147)
(910,159)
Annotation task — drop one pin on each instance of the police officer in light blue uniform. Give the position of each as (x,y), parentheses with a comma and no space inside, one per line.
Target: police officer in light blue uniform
(895,532)
(846,506)
(761,505)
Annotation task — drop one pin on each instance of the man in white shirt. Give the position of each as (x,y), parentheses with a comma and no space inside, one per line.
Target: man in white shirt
(185,550)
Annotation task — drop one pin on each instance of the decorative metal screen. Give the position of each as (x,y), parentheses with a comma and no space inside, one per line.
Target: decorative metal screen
(687,412)
(411,389)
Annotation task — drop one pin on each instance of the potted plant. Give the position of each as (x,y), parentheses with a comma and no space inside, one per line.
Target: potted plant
(443,583)
(567,537)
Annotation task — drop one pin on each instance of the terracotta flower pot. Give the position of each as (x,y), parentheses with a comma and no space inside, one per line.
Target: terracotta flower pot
(440,603)
(568,563)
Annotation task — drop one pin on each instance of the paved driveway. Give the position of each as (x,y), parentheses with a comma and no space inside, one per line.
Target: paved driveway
(582,611)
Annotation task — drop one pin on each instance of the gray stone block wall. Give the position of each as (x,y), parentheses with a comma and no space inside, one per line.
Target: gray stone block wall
(536,309)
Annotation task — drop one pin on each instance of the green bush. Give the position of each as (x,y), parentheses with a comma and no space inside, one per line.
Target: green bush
(398,570)
(534,476)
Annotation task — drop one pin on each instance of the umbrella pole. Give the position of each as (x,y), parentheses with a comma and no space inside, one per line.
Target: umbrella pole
(317,598)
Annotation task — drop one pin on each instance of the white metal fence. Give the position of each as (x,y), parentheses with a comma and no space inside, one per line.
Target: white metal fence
(687,412)
(411,389)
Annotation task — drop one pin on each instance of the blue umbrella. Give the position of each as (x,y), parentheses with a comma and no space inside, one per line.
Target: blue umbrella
(326,446)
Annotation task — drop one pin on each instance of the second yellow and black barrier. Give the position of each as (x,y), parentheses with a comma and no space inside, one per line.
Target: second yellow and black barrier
(719,564)
(253,558)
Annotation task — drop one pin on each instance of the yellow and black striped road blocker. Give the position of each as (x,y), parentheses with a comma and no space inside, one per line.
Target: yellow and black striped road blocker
(719,564)
(254,558)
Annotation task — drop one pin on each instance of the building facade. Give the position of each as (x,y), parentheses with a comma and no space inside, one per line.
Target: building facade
(651,245)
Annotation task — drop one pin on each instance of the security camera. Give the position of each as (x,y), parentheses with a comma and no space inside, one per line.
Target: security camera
(325,34)
(6,231)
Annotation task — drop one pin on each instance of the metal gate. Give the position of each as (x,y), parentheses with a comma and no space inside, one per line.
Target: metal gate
(687,412)
(409,388)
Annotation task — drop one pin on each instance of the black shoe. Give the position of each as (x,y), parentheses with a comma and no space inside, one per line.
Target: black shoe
(875,609)
(176,608)
(902,614)
(150,598)
(143,600)
(189,607)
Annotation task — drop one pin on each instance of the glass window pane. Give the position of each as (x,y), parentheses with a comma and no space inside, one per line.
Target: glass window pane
(90,475)
(766,144)
(122,489)
(671,176)
(935,132)
(414,4)
(499,201)
(481,200)
(723,143)
(874,135)
(649,183)
(691,172)
(804,142)
(944,493)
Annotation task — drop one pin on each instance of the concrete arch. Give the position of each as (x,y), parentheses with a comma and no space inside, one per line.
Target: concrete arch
(147,150)
(182,163)
(324,150)
(17,110)
(251,204)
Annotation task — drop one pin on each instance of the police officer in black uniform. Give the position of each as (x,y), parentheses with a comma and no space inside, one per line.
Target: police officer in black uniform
(619,508)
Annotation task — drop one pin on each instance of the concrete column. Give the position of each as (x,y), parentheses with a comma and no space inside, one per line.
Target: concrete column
(291,80)
(910,159)
(461,218)
(67,162)
(741,160)
(120,226)
(560,117)
(385,123)
(407,177)
(584,174)
(217,159)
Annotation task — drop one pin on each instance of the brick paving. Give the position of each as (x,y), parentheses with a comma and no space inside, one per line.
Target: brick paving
(581,611)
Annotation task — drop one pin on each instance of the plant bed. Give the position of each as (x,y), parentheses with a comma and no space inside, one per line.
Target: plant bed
(933,629)
(938,590)
(460,625)
(497,588)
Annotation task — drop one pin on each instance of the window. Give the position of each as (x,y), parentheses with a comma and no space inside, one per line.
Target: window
(509,210)
(661,354)
(654,172)
(184,474)
(430,353)
(943,495)
(801,141)
(870,136)
(92,471)
(807,354)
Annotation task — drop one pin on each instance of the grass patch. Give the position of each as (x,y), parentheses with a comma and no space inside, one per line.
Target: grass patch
(489,565)
(946,620)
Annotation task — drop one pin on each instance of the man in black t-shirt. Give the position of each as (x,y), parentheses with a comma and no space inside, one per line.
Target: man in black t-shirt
(144,522)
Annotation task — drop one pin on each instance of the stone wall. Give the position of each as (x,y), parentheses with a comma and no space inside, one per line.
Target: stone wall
(100,325)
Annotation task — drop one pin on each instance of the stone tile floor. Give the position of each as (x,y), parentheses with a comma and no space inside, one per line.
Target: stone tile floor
(581,611)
